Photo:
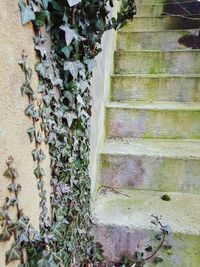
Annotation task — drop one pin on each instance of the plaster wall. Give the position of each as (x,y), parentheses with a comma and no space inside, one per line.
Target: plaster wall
(13,123)
(100,96)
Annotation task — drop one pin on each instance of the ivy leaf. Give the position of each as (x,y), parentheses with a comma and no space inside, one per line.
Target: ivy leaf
(11,202)
(11,173)
(67,51)
(41,69)
(5,235)
(40,18)
(14,187)
(45,3)
(73,67)
(80,100)
(39,172)
(38,155)
(69,116)
(39,137)
(91,64)
(42,49)
(27,14)
(31,132)
(29,111)
(73,2)
(69,34)
(2,214)
(158,260)
(41,87)
(26,90)
(13,254)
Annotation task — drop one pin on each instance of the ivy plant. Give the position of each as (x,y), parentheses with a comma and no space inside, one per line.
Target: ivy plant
(62,112)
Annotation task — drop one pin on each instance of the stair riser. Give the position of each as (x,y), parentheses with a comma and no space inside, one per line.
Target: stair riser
(158,8)
(149,10)
(150,40)
(150,173)
(150,2)
(155,89)
(160,23)
(121,241)
(181,62)
(122,122)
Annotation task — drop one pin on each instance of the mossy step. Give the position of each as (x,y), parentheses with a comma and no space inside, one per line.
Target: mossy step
(145,10)
(123,225)
(157,40)
(150,164)
(183,88)
(153,120)
(162,8)
(157,62)
(160,23)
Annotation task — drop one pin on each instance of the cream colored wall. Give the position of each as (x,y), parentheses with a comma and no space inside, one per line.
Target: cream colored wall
(13,123)
(100,96)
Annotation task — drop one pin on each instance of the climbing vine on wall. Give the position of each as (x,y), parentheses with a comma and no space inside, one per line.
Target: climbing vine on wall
(60,118)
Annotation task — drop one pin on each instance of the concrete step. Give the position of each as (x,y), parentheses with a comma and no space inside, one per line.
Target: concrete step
(152,10)
(157,40)
(123,225)
(182,88)
(163,8)
(153,120)
(157,62)
(161,23)
(150,164)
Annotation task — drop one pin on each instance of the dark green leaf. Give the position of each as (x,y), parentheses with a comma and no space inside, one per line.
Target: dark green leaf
(5,235)
(40,18)
(67,51)
(13,254)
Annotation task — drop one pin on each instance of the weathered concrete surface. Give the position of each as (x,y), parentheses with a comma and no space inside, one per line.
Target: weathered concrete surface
(154,105)
(150,10)
(143,24)
(100,96)
(157,62)
(153,120)
(13,123)
(164,165)
(124,225)
(180,88)
(153,40)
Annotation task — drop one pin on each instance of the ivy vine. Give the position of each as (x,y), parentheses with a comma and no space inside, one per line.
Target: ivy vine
(60,119)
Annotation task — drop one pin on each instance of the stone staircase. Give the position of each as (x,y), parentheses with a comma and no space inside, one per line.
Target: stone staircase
(152,144)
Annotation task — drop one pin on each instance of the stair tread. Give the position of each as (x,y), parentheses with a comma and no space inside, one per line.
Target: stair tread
(176,51)
(176,148)
(192,30)
(155,105)
(135,208)
(161,75)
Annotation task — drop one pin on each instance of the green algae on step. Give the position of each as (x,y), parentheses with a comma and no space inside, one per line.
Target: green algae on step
(124,223)
(181,88)
(160,23)
(157,40)
(153,120)
(157,62)
(165,165)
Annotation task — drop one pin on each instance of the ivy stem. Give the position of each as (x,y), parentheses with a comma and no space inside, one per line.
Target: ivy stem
(160,246)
